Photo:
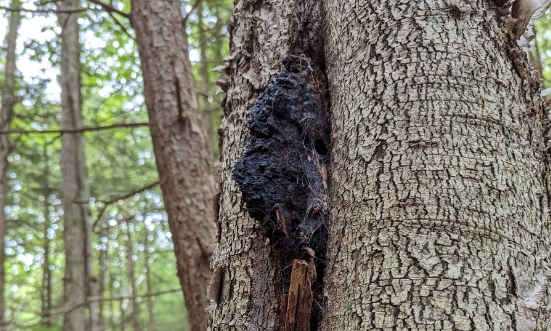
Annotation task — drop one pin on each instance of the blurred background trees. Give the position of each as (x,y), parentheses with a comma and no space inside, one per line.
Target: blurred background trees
(133,264)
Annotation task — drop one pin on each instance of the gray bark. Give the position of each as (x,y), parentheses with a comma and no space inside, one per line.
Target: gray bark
(249,297)
(439,211)
(180,144)
(6,112)
(439,203)
(78,280)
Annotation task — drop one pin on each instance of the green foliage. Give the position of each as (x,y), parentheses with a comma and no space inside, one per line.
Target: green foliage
(119,161)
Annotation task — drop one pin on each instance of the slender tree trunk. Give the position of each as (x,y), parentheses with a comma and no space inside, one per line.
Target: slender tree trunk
(148,281)
(180,144)
(205,76)
(111,280)
(123,303)
(439,212)
(131,278)
(46,291)
(78,279)
(103,271)
(6,112)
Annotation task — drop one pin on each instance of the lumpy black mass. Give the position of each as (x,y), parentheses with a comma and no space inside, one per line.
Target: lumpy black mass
(283,172)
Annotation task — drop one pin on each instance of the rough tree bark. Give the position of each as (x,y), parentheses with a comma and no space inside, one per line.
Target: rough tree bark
(78,279)
(439,174)
(180,145)
(6,112)
(246,293)
(440,199)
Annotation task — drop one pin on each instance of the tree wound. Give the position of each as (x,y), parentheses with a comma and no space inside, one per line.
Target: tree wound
(283,172)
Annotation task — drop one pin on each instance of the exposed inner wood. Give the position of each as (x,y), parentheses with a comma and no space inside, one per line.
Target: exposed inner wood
(297,305)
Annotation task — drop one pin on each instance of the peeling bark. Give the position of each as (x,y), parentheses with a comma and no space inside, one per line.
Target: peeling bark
(180,144)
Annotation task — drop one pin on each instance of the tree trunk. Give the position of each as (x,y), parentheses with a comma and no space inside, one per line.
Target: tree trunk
(103,275)
(439,200)
(180,144)
(78,280)
(262,35)
(439,212)
(148,281)
(46,291)
(205,77)
(6,112)
(131,279)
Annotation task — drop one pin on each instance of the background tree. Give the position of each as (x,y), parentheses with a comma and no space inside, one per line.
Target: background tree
(121,165)
(6,113)
(180,144)
(74,178)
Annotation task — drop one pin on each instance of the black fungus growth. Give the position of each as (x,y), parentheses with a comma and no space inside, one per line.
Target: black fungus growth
(283,172)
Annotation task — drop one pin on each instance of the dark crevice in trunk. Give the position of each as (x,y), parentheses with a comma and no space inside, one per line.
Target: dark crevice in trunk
(284,172)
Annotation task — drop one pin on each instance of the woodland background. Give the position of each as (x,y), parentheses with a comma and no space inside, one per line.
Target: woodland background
(133,254)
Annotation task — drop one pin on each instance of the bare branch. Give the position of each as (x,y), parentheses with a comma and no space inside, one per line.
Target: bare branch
(113,200)
(128,195)
(110,9)
(121,26)
(74,305)
(195,5)
(54,11)
(84,129)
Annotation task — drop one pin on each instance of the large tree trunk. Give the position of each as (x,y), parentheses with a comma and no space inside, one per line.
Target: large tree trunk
(6,112)
(180,144)
(78,280)
(439,193)
(246,292)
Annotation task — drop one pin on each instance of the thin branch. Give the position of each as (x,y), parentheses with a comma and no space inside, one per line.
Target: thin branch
(195,5)
(108,202)
(110,9)
(128,195)
(84,129)
(60,11)
(121,26)
(72,306)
